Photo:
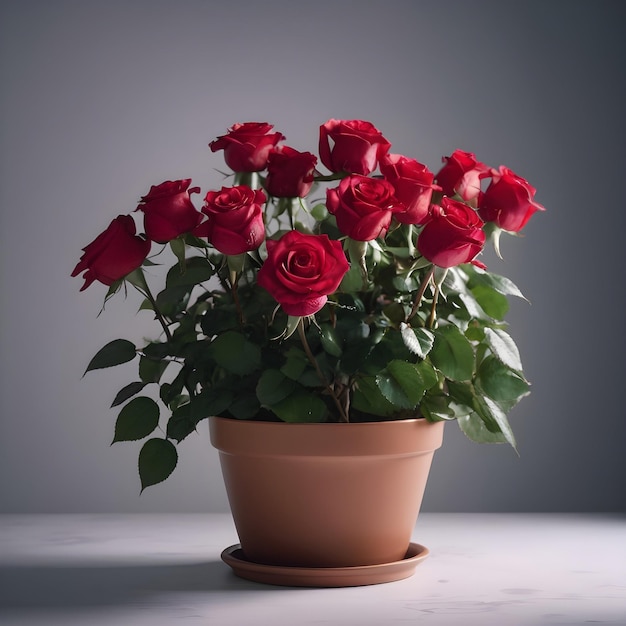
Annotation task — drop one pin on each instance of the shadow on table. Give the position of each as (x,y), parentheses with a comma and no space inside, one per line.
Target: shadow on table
(67,586)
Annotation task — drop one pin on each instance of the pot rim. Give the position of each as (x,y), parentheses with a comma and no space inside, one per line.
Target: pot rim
(393,437)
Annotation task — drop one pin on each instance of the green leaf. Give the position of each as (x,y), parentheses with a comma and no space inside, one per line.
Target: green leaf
(368,398)
(352,280)
(452,353)
(295,365)
(492,414)
(234,353)
(472,306)
(136,420)
(418,340)
(428,374)
(114,353)
(273,386)
(503,348)
(301,406)
(330,340)
(436,407)
(492,302)
(180,424)
(501,284)
(474,428)
(185,418)
(178,248)
(501,383)
(197,270)
(244,407)
(151,370)
(157,460)
(402,384)
(132,389)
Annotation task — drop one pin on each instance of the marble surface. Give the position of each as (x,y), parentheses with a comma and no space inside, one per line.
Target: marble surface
(136,570)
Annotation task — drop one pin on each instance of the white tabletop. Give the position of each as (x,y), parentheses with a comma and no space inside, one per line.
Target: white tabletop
(153,570)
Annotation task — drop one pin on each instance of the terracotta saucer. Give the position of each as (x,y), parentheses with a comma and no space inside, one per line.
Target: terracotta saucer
(324,576)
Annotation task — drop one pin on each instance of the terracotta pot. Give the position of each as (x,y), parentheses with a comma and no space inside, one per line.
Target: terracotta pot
(325,495)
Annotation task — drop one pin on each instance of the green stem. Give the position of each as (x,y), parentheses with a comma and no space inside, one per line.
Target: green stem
(145,290)
(311,357)
(433,308)
(235,294)
(420,295)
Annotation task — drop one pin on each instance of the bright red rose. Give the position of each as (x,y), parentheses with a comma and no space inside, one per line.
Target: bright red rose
(168,210)
(413,186)
(357,146)
(452,236)
(363,206)
(235,223)
(247,146)
(302,270)
(289,172)
(113,254)
(461,175)
(508,201)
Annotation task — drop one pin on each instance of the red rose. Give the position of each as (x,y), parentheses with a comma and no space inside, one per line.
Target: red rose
(247,146)
(113,254)
(461,175)
(168,210)
(508,201)
(363,206)
(413,186)
(235,223)
(289,172)
(357,146)
(302,270)
(452,236)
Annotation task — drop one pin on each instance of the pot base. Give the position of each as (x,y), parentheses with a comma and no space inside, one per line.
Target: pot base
(234,557)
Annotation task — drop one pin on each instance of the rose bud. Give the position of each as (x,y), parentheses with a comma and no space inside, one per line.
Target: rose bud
(453,235)
(363,206)
(235,219)
(113,254)
(413,187)
(461,175)
(168,210)
(247,146)
(357,146)
(509,201)
(289,172)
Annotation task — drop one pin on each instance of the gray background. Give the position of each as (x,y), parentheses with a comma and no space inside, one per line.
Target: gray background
(100,100)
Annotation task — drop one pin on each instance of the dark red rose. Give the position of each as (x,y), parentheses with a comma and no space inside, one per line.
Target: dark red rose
(363,206)
(453,235)
(302,270)
(461,175)
(247,146)
(413,186)
(508,201)
(235,223)
(356,148)
(168,210)
(113,254)
(289,172)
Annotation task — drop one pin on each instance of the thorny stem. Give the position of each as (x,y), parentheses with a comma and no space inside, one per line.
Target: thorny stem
(420,295)
(235,294)
(311,357)
(433,308)
(157,312)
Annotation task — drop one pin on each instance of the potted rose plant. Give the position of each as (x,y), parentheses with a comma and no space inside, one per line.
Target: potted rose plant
(343,308)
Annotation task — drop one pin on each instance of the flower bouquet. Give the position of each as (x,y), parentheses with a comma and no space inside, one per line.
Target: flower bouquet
(349,290)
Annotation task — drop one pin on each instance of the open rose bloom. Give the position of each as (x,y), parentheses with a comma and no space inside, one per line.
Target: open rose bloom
(345,285)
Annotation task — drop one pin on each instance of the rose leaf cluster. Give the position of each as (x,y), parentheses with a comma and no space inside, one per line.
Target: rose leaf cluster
(345,285)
